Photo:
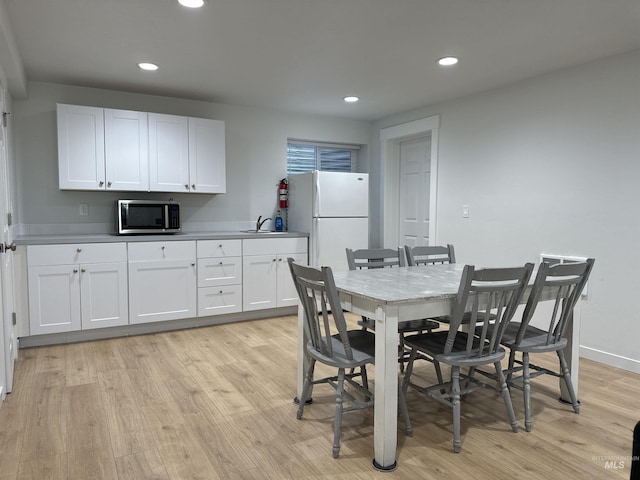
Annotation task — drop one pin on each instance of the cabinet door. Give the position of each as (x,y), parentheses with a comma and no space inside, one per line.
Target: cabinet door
(126,150)
(259,282)
(104,295)
(81,160)
(207,156)
(54,299)
(168,153)
(162,290)
(287,294)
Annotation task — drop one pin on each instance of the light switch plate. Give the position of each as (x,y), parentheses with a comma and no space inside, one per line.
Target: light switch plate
(84,209)
(465,211)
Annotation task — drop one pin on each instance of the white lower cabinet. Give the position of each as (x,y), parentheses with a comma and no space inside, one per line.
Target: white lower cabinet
(95,285)
(219,277)
(73,287)
(162,281)
(267,279)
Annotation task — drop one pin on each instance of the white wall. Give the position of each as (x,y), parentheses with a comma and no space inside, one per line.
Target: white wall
(256,141)
(551,164)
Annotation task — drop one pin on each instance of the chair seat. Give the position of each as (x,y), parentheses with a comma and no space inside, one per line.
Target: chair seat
(363,347)
(403,327)
(433,344)
(534,340)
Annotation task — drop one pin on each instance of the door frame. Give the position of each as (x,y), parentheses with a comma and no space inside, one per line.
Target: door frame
(390,139)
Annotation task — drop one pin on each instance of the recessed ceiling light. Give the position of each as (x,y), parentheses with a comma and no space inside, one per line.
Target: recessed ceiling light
(192,3)
(447,61)
(148,66)
(351,99)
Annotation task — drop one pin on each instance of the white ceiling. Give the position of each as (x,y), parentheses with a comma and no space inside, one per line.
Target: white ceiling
(305,55)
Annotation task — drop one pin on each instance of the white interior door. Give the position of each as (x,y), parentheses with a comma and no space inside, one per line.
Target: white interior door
(8,337)
(415,192)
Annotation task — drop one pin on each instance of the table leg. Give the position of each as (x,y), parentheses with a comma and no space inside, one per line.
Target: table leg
(385,431)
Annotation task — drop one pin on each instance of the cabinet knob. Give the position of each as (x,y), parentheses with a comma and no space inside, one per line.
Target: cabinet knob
(273,260)
(220,292)
(75,270)
(220,263)
(162,247)
(193,264)
(78,250)
(193,186)
(83,270)
(108,184)
(101,183)
(186,187)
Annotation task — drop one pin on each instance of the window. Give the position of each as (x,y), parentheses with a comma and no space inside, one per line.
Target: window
(307,156)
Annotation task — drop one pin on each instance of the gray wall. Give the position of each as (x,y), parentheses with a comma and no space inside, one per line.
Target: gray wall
(256,143)
(551,165)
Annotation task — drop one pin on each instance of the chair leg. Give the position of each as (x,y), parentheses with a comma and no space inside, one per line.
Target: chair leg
(526,390)
(455,391)
(306,388)
(505,395)
(365,378)
(337,422)
(409,371)
(401,341)
(512,360)
(564,370)
(402,404)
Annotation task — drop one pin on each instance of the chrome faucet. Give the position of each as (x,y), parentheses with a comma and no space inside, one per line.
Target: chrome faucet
(260,222)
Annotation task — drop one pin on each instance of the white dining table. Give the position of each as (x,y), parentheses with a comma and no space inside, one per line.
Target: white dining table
(391,296)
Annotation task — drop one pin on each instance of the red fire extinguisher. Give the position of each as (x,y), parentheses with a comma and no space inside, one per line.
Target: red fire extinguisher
(283,191)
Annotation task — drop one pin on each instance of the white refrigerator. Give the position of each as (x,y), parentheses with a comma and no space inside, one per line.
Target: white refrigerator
(333,207)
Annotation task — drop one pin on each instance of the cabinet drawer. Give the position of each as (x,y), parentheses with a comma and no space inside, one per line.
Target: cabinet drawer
(267,246)
(157,251)
(219,248)
(42,255)
(219,271)
(219,300)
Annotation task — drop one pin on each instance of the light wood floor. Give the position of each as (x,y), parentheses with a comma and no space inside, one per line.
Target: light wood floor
(216,402)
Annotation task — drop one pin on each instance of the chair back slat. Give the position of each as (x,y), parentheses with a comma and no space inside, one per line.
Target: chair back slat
(429,255)
(489,297)
(562,282)
(374,258)
(323,315)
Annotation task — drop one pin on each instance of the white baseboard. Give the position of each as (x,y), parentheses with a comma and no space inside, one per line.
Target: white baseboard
(611,359)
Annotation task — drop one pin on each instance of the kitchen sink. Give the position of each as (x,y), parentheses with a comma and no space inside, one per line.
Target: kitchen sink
(264,232)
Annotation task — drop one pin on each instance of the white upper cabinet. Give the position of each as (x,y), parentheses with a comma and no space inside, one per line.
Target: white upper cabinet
(126,150)
(81,148)
(168,153)
(107,149)
(207,156)
(186,154)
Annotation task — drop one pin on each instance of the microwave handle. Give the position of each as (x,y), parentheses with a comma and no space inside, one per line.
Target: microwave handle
(166,216)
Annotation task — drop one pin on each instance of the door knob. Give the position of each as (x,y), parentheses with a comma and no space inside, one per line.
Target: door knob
(5,246)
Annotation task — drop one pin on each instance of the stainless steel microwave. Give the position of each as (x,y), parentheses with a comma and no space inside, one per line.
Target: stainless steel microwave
(147,216)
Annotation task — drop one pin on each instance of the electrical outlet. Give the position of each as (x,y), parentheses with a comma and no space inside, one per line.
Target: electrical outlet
(84,209)
(465,211)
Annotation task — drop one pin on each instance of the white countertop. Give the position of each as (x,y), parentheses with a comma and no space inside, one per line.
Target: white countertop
(112,237)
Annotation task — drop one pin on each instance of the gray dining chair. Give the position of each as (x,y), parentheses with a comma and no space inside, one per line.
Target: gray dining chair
(430,254)
(490,297)
(331,343)
(564,283)
(380,258)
